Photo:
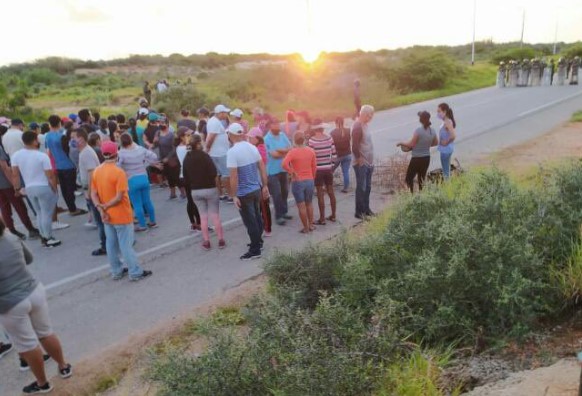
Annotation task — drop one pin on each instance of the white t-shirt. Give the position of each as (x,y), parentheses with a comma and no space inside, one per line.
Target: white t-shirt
(181,152)
(221,144)
(32,165)
(41,142)
(12,141)
(244,157)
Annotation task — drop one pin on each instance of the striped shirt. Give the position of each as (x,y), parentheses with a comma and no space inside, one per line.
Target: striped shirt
(324,152)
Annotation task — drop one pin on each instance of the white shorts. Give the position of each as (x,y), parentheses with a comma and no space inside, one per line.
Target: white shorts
(28,321)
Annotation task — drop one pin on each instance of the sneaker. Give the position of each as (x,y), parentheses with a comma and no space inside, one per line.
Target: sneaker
(99,252)
(266,234)
(143,275)
(24,365)
(90,224)
(78,193)
(57,225)
(262,246)
(5,349)
(195,228)
(140,229)
(35,388)
(51,242)
(153,225)
(224,198)
(124,272)
(250,256)
(33,234)
(230,200)
(66,372)
(287,217)
(78,212)
(221,244)
(281,221)
(20,235)
(206,245)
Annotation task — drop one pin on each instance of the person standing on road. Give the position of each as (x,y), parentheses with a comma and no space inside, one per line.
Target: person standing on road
(88,162)
(133,159)
(109,193)
(24,313)
(66,171)
(203,114)
(183,140)
(9,199)
(217,145)
(447,136)
(363,152)
(301,164)
(237,116)
(171,170)
(255,137)
(422,140)
(277,145)
(12,139)
(200,175)
(248,183)
(326,156)
(41,184)
(343,144)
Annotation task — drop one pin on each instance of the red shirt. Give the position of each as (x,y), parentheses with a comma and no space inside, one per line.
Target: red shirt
(300,162)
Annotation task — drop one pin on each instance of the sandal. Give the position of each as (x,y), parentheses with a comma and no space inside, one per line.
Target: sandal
(304,231)
(312,228)
(332,219)
(320,222)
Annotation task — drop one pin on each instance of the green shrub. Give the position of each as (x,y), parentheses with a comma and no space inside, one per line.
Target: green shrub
(573,50)
(516,54)
(179,97)
(568,277)
(423,70)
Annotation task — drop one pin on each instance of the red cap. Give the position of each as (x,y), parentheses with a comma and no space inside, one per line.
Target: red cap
(109,149)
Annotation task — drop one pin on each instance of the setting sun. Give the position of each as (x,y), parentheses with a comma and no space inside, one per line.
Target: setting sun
(310,55)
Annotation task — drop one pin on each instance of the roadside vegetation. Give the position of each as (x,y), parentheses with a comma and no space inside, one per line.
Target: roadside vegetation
(275,82)
(480,262)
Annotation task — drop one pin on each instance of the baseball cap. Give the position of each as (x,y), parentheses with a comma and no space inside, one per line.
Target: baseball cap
(183,130)
(254,132)
(64,120)
(235,129)
(109,149)
(73,116)
(17,121)
(33,125)
(237,113)
(143,111)
(153,117)
(221,109)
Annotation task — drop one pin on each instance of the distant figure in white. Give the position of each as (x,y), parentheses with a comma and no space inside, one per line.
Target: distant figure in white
(501,75)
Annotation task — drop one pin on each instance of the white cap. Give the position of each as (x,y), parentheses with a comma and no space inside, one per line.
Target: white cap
(221,109)
(235,129)
(237,113)
(143,111)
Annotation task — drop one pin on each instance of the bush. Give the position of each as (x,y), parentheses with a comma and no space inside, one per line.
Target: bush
(423,70)
(514,54)
(179,97)
(574,50)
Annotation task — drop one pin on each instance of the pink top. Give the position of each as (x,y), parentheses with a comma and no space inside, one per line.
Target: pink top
(263,152)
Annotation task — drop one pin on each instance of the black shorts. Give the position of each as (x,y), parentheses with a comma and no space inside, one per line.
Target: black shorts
(323,178)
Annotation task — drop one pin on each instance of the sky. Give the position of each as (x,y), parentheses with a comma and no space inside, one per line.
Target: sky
(107,29)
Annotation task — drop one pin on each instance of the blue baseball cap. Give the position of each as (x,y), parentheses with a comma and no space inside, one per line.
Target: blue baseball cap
(153,117)
(33,125)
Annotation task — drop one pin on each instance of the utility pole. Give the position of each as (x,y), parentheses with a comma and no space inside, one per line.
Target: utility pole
(556,38)
(474,24)
(522,28)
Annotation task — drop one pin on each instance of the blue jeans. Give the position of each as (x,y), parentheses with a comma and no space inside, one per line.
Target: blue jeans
(250,211)
(120,243)
(303,191)
(139,194)
(363,189)
(279,190)
(98,221)
(44,200)
(345,163)
(446,165)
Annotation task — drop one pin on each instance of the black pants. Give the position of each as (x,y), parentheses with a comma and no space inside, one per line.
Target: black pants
(418,167)
(68,182)
(191,208)
(172,174)
(250,212)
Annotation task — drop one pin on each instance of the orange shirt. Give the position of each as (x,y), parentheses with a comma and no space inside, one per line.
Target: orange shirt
(108,179)
(300,162)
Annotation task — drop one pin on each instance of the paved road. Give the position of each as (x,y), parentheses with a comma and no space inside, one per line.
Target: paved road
(91,312)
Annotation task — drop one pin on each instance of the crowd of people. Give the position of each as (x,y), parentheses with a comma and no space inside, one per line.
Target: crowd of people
(537,72)
(214,160)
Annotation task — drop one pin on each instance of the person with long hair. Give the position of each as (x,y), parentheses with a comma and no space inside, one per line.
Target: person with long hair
(447,136)
(133,159)
(168,157)
(183,146)
(200,175)
(301,164)
(423,138)
(342,140)
(24,313)
(255,137)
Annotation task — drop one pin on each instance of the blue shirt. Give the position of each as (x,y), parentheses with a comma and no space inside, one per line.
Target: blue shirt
(245,158)
(272,143)
(54,144)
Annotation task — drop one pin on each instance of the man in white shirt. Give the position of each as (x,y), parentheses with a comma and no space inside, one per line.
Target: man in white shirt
(41,184)
(12,139)
(217,146)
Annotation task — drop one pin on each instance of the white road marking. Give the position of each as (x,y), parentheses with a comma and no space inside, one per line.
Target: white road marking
(551,104)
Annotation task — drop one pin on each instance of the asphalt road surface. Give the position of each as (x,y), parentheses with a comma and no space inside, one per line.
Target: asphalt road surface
(90,312)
